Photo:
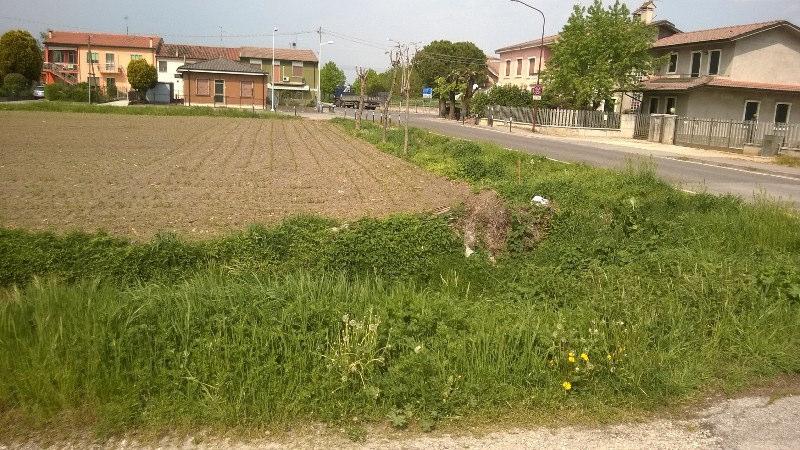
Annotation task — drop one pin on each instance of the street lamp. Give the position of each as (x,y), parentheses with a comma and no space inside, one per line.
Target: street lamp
(541,52)
(319,73)
(272,69)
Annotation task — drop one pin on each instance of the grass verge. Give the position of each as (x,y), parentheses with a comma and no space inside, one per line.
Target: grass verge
(789,161)
(141,110)
(640,295)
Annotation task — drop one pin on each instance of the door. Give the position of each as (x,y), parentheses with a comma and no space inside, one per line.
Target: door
(219,91)
(111,87)
(696,56)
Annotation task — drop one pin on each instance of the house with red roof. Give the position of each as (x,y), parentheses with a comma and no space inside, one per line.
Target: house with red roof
(744,72)
(99,58)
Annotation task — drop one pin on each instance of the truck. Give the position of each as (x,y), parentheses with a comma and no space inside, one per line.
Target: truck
(344,97)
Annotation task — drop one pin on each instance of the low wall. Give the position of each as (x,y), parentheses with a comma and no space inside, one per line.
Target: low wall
(560,131)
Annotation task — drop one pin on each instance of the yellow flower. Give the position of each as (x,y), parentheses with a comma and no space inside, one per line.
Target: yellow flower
(585,357)
(571,359)
(566,385)
(571,354)
(608,357)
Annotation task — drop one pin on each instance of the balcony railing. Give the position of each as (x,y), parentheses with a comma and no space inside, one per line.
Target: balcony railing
(108,67)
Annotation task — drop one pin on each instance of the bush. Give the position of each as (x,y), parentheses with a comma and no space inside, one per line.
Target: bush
(142,76)
(16,86)
(72,93)
(501,96)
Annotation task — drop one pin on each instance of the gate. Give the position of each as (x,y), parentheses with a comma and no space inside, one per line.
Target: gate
(642,128)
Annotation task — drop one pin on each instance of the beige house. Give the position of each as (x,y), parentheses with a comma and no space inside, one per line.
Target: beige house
(519,63)
(101,58)
(744,72)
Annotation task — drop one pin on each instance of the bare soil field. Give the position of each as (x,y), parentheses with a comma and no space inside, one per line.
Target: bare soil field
(198,176)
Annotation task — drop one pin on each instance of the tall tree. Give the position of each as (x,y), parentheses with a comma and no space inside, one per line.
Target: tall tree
(600,50)
(331,77)
(20,53)
(456,66)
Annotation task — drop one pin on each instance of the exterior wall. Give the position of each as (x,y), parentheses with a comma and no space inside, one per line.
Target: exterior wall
(769,57)
(525,80)
(122,56)
(232,89)
(308,81)
(726,104)
(685,59)
(172,70)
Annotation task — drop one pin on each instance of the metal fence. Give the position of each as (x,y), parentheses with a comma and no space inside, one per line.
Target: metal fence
(568,118)
(731,134)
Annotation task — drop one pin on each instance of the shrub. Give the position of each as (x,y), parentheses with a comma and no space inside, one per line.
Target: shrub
(72,93)
(142,76)
(16,86)
(501,96)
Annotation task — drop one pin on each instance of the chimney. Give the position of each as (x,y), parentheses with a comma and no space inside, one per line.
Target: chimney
(294,44)
(49,34)
(151,42)
(646,13)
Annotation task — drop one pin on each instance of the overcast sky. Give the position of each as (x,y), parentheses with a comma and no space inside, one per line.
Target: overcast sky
(363,26)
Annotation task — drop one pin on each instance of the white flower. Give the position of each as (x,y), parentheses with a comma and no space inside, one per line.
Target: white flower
(418,349)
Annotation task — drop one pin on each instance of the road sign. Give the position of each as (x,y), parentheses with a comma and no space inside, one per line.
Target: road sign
(427,92)
(536,90)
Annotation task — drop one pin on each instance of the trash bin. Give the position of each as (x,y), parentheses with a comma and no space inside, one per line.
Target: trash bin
(771,145)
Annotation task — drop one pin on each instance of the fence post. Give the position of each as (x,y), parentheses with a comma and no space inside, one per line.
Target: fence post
(710,132)
(730,132)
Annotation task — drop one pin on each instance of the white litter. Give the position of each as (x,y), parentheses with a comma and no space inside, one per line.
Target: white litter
(468,251)
(541,201)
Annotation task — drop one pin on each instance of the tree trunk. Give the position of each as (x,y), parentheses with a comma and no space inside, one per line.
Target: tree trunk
(452,115)
(386,105)
(361,102)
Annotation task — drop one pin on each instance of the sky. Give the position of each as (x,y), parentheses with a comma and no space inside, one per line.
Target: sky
(360,29)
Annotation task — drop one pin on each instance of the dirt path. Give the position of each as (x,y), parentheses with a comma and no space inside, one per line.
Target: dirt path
(748,422)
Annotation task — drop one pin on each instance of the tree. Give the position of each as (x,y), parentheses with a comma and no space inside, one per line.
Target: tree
(142,76)
(16,85)
(599,51)
(451,67)
(361,74)
(20,53)
(331,77)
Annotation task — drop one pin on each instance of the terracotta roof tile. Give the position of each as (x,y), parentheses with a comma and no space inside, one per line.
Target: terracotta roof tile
(102,39)
(716,34)
(684,84)
(197,52)
(283,54)
(548,40)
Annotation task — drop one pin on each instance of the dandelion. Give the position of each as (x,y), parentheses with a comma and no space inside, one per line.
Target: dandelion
(566,385)
(585,357)
(571,359)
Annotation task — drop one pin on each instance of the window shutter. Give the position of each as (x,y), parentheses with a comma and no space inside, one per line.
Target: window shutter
(247,89)
(203,87)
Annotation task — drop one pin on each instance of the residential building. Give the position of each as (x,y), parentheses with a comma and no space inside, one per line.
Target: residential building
(492,66)
(519,63)
(294,77)
(101,58)
(223,82)
(743,72)
(172,56)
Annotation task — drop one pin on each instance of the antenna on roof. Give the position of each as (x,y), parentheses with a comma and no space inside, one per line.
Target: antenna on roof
(220,37)
(126,25)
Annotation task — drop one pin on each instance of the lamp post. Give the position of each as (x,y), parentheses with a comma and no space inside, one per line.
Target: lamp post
(272,71)
(319,73)
(541,54)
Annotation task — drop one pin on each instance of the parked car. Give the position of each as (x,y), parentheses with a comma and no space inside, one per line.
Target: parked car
(38,91)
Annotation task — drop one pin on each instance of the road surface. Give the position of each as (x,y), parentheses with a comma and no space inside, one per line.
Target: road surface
(693,175)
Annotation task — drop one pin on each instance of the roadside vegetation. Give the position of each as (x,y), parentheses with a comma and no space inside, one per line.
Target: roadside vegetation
(138,110)
(622,294)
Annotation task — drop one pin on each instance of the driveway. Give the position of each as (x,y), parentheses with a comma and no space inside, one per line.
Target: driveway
(735,176)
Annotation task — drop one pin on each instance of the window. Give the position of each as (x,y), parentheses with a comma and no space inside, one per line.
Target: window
(247,89)
(202,87)
(219,91)
(297,69)
(671,103)
(654,105)
(751,108)
(696,56)
(519,67)
(135,57)
(610,105)
(508,67)
(92,57)
(109,61)
(673,63)
(531,66)
(111,87)
(714,57)
(782,112)
(162,66)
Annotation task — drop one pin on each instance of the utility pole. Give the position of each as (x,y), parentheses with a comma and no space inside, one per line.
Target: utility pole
(272,70)
(319,70)
(541,54)
(406,61)
(91,66)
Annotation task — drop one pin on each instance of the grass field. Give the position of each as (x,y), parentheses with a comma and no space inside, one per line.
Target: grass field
(198,176)
(626,295)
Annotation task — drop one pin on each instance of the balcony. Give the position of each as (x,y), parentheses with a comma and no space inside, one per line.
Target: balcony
(108,68)
(295,81)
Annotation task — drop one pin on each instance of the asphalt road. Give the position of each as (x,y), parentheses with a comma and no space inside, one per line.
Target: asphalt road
(689,175)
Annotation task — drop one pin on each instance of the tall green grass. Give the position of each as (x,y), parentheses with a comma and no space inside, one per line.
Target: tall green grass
(667,295)
(141,110)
